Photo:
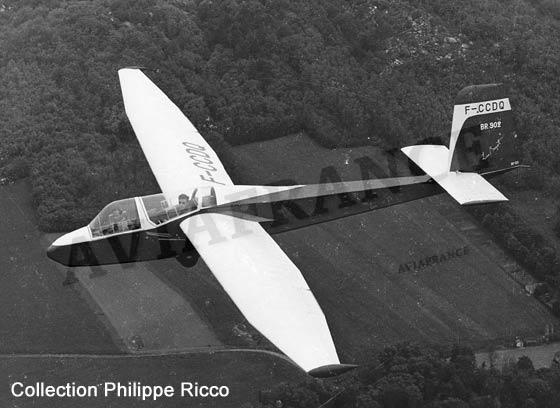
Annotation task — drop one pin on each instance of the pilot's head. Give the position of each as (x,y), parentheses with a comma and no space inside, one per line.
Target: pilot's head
(183,199)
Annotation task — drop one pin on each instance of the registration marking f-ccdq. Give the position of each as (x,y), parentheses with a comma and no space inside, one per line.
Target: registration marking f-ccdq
(485,107)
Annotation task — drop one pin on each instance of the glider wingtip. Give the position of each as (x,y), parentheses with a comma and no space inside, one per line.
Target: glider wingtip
(133,68)
(331,370)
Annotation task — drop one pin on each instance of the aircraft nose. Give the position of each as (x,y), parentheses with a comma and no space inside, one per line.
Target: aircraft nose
(60,254)
(74,237)
(61,249)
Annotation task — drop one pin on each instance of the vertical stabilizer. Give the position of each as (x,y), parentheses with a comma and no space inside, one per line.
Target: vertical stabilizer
(483,138)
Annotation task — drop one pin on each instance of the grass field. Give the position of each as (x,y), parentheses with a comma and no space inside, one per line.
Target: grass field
(145,312)
(38,314)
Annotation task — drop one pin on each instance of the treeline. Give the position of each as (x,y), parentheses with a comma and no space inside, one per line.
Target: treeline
(346,72)
(527,246)
(408,376)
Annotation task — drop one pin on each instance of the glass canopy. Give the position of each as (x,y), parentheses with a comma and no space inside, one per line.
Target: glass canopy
(118,216)
(122,215)
(164,207)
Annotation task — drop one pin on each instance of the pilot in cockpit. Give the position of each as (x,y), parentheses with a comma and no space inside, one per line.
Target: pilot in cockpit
(187,205)
(118,219)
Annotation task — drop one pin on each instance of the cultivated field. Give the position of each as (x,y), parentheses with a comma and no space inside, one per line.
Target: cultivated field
(38,314)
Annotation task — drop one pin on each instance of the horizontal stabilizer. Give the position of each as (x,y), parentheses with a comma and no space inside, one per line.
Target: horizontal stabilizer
(466,188)
(469,188)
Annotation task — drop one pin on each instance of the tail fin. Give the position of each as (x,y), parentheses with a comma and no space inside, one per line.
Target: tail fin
(483,141)
(483,138)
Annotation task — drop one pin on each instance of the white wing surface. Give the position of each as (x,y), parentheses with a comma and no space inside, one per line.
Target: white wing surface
(466,188)
(265,285)
(176,152)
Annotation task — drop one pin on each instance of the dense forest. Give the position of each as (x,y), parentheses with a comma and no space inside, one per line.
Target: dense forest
(347,73)
(408,376)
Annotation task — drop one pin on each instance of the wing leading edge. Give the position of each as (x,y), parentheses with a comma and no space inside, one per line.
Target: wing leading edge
(265,285)
(178,155)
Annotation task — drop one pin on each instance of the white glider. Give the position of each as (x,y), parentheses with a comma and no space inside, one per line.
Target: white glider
(201,212)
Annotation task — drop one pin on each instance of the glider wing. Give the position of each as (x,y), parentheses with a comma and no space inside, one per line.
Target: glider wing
(178,155)
(265,285)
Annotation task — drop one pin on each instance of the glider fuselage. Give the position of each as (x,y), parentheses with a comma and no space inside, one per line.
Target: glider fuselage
(281,212)
(161,242)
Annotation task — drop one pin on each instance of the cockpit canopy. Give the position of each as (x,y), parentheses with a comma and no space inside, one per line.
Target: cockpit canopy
(124,215)
(164,207)
(118,216)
